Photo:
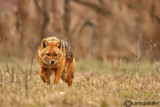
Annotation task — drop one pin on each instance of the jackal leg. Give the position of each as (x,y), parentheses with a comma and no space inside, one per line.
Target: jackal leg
(58,74)
(45,76)
(64,76)
(70,74)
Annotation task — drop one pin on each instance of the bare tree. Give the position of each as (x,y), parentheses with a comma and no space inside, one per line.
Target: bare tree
(3,40)
(22,15)
(67,18)
(94,7)
(33,47)
(45,13)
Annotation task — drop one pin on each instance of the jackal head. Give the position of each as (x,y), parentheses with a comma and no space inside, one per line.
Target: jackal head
(51,51)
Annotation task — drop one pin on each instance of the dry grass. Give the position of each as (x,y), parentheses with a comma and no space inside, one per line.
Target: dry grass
(95,84)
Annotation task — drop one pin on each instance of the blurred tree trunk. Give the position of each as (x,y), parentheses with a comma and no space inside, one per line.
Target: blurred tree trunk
(100,35)
(54,3)
(67,19)
(56,18)
(1,32)
(45,13)
(22,15)
(46,19)
(100,53)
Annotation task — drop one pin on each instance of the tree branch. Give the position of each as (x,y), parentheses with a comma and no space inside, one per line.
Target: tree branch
(93,6)
(150,12)
(37,5)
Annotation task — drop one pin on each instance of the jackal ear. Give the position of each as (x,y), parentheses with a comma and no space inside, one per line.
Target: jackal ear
(44,43)
(59,44)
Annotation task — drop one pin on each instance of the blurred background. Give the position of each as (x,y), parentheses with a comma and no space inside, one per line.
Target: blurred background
(96,29)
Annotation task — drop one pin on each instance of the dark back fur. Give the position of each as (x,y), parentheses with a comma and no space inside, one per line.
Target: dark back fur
(69,52)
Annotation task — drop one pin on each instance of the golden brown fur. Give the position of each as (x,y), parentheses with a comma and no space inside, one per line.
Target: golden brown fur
(55,55)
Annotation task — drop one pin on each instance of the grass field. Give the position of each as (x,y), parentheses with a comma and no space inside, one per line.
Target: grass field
(96,84)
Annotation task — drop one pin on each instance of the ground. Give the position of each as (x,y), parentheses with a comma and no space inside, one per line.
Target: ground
(95,84)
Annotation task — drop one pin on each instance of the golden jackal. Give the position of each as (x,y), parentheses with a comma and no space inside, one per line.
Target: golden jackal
(56,55)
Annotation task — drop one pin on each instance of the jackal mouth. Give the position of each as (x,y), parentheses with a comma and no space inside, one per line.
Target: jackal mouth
(49,63)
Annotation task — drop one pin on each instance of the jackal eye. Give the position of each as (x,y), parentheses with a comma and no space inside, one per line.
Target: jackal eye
(48,54)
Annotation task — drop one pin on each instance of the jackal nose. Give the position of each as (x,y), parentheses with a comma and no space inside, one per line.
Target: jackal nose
(52,62)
